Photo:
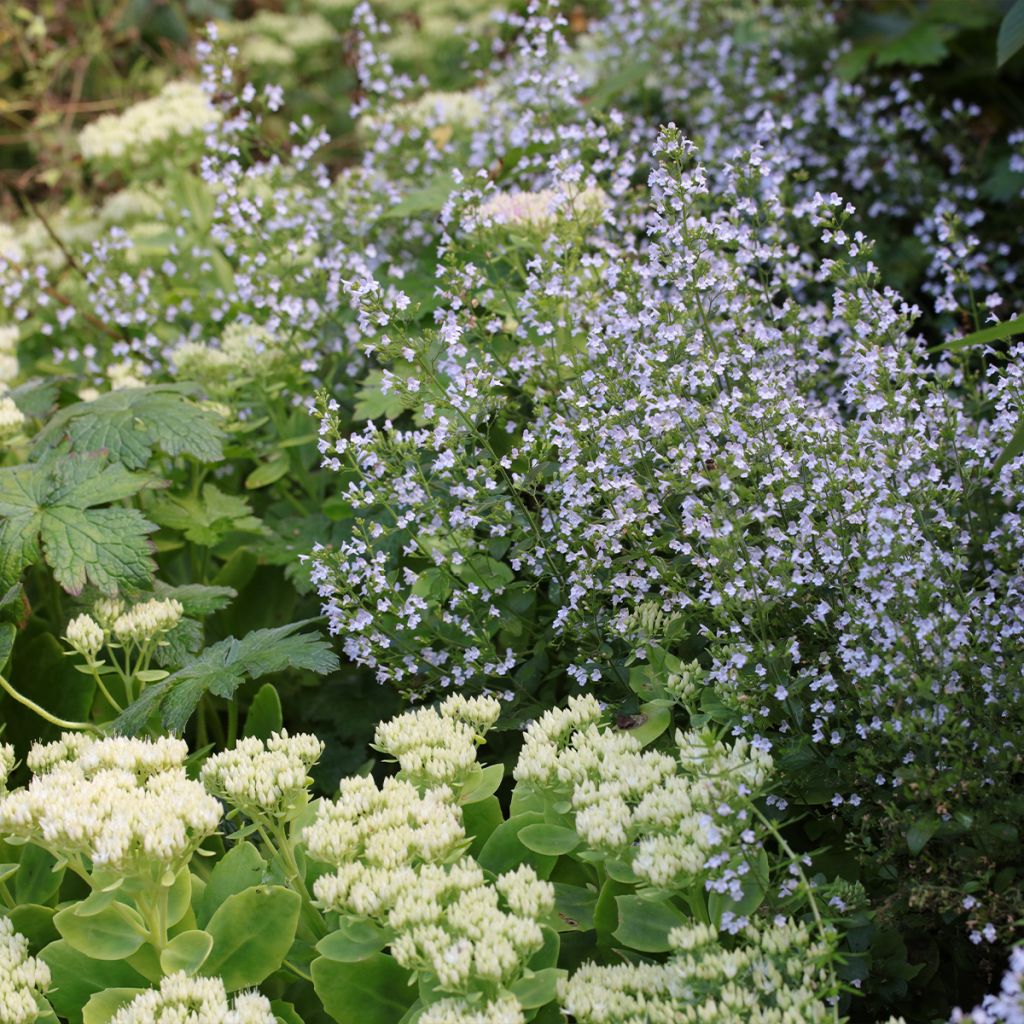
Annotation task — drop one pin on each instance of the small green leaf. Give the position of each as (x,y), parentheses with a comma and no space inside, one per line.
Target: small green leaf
(504,850)
(36,880)
(484,784)
(552,840)
(920,833)
(115,932)
(644,924)
(186,952)
(103,1005)
(252,932)
(265,714)
(574,906)
(538,988)
(354,939)
(266,473)
(1011,34)
(371,991)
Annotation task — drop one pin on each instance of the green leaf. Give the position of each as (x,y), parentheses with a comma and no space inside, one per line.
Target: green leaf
(36,880)
(428,199)
(552,840)
(480,819)
(355,939)
(922,45)
(1011,34)
(47,508)
(103,1005)
(504,850)
(239,869)
(76,977)
(484,783)
(196,598)
(131,422)
(1013,447)
(997,332)
(35,923)
(919,833)
(267,473)
(114,933)
(285,1012)
(644,924)
(186,952)
(372,403)
(538,988)
(252,932)
(575,907)
(222,668)
(207,518)
(265,715)
(371,991)
(651,723)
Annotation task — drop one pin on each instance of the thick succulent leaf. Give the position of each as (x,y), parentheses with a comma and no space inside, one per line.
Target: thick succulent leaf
(222,668)
(131,422)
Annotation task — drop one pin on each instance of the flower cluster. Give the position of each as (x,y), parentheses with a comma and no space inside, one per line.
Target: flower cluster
(461,930)
(124,804)
(181,110)
(772,975)
(1004,1007)
(145,622)
(23,978)
(377,838)
(437,746)
(264,779)
(503,1010)
(182,998)
(544,208)
(671,819)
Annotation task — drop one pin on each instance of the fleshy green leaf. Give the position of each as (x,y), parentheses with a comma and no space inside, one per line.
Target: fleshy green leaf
(131,422)
(644,924)
(354,939)
(538,988)
(112,934)
(186,952)
(371,991)
(252,932)
(222,668)
(265,714)
(76,977)
(239,869)
(103,1005)
(552,840)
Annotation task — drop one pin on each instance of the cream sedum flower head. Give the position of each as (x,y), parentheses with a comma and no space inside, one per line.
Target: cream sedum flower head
(8,759)
(106,611)
(453,925)
(544,209)
(437,746)
(773,978)
(180,110)
(264,778)
(549,735)
(125,804)
(23,978)
(125,375)
(503,1010)
(85,635)
(12,419)
(376,837)
(184,1000)
(148,620)
(133,203)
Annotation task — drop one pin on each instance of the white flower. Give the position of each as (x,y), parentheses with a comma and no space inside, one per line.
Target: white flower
(504,1009)
(23,978)
(85,635)
(184,1000)
(264,778)
(146,621)
(12,419)
(179,110)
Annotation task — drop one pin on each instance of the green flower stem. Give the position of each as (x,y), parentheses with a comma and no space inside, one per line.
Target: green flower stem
(280,846)
(61,723)
(103,689)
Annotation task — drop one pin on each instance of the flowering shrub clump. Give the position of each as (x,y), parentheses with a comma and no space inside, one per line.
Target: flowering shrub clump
(634,391)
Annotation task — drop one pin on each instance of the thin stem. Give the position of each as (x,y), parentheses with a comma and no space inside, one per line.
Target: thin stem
(61,723)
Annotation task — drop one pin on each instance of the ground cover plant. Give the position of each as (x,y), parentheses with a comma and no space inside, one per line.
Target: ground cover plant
(512,513)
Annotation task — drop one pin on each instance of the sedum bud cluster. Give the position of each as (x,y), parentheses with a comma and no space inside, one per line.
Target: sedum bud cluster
(774,975)
(23,978)
(264,779)
(377,838)
(179,111)
(125,804)
(437,746)
(12,419)
(544,209)
(462,930)
(670,818)
(184,1000)
(85,636)
(8,759)
(147,621)
(503,1010)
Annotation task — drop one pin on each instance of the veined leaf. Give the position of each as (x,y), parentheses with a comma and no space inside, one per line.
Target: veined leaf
(47,508)
(222,668)
(131,422)
(1011,34)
